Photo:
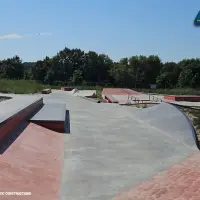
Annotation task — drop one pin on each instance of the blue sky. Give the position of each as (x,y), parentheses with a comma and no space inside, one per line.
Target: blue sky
(33,29)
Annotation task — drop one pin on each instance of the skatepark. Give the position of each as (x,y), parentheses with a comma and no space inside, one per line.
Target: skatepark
(62,146)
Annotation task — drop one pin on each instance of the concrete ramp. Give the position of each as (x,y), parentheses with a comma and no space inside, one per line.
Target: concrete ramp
(86,93)
(75,90)
(170,121)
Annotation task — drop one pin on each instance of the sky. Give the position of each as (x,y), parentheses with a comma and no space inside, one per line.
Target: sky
(33,29)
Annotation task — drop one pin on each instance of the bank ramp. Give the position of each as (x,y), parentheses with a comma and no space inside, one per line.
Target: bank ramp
(170,121)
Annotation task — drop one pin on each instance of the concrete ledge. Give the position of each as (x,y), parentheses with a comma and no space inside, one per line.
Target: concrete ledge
(13,113)
(51,116)
(110,98)
(46,91)
(182,98)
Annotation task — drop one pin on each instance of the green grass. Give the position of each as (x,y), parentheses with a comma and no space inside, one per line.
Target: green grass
(175,91)
(20,86)
(28,87)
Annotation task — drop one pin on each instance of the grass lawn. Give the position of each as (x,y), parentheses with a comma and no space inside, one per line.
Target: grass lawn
(30,87)
(20,86)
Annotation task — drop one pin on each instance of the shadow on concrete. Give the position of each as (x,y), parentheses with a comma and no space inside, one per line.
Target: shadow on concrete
(67,122)
(13,136)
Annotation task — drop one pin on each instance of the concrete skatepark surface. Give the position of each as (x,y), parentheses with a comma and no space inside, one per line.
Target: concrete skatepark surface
(112,149)
(82,93)
(165,118)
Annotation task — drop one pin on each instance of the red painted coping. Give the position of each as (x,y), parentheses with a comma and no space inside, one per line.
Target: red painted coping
(33,163)
(67,88)
(54,126)
(13,122)
(183,98)
(181,182)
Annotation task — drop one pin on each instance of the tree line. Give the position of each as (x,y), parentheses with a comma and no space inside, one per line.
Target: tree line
(74,66)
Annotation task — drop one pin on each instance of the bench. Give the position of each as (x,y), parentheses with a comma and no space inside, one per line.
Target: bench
(51,116)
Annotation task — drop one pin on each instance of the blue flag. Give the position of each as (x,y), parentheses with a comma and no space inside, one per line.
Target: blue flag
(197,20)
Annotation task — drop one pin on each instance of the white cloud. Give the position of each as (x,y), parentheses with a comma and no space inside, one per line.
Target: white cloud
(11,36)
(17,36)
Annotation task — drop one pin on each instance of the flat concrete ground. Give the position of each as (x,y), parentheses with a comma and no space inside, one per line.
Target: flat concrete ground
(111,150)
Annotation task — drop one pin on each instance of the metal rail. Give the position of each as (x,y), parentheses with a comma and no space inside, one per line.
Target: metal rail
(138,101)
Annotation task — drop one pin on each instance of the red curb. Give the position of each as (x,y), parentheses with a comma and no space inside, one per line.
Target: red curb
(54,126)
(182,98)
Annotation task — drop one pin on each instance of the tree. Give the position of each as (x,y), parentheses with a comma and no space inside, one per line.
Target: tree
(170,71)
(153,69)
(185,78)
(77,67)
(138,68)
(164,81)
(49,78)
(39,71)
(77,77)
(12,68)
